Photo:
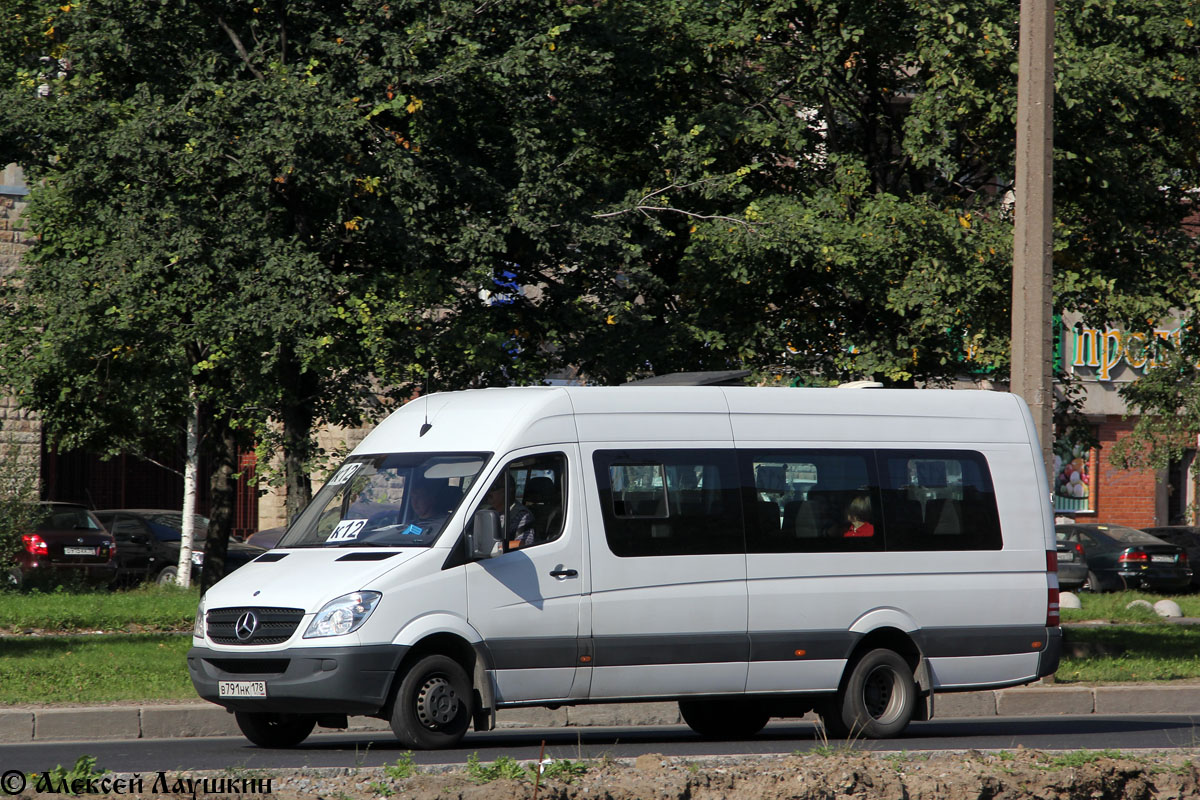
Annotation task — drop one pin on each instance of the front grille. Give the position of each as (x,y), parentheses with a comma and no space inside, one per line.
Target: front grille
(274,625)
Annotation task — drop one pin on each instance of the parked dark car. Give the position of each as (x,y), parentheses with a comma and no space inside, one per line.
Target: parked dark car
(1072,565)
(1126,558)
(148,543)
(1185,536)
(267,537)
(68,541)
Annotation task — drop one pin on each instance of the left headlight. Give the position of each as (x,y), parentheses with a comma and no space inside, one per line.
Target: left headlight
(343,615)
(198,623)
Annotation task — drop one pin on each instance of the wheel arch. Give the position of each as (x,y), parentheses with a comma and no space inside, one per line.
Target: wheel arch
(903,643)
(473,657)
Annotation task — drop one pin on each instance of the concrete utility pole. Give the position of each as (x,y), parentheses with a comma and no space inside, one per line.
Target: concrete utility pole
(1032,334)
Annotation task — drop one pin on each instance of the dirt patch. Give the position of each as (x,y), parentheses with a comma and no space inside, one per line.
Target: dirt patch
(837,775)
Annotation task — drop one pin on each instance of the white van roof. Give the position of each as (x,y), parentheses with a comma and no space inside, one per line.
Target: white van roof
(493,420)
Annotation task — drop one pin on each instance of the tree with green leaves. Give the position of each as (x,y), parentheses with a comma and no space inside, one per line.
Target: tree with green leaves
(280,211)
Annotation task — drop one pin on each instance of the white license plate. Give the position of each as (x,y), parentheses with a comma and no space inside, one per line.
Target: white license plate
(1066,556)
(79,551)
(1163,559)
(242,688)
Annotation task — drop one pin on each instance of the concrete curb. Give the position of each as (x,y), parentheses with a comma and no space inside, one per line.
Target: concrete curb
(202,719)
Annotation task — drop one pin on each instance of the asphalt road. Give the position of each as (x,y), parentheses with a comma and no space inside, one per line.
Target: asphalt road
(1125,732)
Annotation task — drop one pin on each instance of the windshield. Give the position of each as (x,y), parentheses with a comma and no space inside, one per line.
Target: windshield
(394,500)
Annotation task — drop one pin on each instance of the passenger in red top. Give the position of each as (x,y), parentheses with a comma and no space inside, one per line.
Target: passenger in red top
(858,518)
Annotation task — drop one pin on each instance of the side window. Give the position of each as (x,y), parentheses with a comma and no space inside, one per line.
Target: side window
(938,500)
(669,502)
(530,496)
(811,501)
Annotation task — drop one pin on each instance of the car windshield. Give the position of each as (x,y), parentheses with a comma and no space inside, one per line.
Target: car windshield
(1125,535)
(393,500)
(66,518)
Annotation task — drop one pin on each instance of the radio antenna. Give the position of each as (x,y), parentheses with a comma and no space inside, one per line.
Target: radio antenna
(425,395)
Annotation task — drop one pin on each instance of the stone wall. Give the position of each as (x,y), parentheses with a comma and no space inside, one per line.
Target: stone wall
(17,426)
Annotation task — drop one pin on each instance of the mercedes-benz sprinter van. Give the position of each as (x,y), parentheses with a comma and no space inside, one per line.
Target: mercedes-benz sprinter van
(747,552)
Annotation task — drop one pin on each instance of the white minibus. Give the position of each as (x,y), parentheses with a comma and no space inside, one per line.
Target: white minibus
(747,552)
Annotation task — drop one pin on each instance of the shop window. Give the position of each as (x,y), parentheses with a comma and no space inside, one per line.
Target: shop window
(1072,479)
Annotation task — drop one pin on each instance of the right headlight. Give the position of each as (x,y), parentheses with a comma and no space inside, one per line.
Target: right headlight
(198,623)
(343,615)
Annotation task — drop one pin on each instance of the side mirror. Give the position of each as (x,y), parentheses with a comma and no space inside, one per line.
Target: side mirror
(483,534)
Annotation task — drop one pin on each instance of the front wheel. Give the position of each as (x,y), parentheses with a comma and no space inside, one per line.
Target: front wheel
(878,701)
(724,719)
(274,730)
(433,704)
(167,576)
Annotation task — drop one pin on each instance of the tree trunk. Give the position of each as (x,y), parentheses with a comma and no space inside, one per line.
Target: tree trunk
(297,417)
(222,496)
(191,471)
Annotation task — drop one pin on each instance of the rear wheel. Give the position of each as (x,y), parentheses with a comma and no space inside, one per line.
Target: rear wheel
(724,719)
(1095,583)
(878,701)
(433,704)
(274,730)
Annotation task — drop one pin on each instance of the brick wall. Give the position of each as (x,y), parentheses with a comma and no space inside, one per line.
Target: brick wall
(1123,497)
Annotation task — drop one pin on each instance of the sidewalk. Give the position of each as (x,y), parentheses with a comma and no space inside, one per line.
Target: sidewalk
(125,722)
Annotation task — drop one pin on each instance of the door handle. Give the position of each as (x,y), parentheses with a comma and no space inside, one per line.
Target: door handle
(563,573)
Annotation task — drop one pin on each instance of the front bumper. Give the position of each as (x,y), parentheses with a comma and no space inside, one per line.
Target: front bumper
(301,680)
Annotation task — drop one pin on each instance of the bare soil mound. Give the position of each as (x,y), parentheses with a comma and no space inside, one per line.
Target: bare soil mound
(839,775)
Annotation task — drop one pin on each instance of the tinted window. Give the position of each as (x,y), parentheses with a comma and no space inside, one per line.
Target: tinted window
(1127,535)
(801,501)
(67,518)
(938,500)
(670,502)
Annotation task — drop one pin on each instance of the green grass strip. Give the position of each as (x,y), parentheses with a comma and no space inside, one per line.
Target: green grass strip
(1111,606)
(1130,654)
(91,670)
(150,608)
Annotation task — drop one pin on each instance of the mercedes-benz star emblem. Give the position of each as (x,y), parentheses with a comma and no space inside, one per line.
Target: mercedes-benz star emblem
(246,625)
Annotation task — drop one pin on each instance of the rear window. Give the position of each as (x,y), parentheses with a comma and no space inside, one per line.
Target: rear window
(1127,535)
(62,518)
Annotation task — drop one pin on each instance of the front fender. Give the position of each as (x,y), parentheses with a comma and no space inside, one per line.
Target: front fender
(436,622)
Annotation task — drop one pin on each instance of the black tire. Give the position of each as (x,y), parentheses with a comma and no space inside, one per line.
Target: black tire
(878,700)
(724,719)
(433,704)
(274,730)
(168,576)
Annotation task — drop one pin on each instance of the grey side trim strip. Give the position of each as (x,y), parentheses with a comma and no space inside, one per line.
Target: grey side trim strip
(623,651)
(715,648)
(534,653)
(817,645)
(991,641)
